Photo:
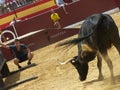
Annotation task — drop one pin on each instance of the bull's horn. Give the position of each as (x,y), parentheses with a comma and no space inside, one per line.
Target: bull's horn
(67,61)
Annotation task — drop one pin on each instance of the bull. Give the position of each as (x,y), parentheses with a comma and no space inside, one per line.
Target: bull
(96,35)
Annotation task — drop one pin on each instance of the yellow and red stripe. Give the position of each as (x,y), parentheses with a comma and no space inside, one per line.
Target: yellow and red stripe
(27,11)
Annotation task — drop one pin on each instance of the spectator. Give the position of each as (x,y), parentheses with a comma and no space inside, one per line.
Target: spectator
(61,3)
(2,7)
(21,52)
(55,18)
(2,37)
(34,1)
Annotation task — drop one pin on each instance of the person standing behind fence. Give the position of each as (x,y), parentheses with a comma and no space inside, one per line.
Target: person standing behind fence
(2,36)
(21,52)
(55,18)
(61,3)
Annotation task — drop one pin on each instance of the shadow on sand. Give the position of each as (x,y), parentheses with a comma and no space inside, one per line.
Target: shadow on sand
(12,78)
(106,81)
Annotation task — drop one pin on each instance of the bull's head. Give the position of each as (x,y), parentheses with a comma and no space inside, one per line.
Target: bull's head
(82,69)
(81,62)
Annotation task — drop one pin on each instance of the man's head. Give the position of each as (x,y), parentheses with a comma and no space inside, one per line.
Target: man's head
(0,31)
(17,42)
(14,19)
(52,11)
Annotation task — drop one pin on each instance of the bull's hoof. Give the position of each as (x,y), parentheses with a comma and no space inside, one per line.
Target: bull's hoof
(100,78)
(82,79)
(113,81)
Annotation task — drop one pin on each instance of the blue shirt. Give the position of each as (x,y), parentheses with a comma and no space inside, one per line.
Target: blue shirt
(59,2)
(19,53)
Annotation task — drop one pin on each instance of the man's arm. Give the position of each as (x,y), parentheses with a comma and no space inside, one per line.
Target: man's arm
(4,45)
(28,50)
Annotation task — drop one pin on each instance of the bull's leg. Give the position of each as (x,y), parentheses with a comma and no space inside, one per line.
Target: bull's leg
(109,63)
(116,43)
(99,65)
(115,38)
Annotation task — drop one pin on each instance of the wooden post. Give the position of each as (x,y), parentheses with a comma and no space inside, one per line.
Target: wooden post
(1,82)
(5,70)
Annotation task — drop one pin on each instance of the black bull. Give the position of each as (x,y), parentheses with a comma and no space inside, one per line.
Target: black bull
(96,35)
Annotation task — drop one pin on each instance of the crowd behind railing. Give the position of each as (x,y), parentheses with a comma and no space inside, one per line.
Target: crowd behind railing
(10,5)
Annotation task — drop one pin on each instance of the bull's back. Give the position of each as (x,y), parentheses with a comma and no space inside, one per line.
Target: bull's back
(105,31)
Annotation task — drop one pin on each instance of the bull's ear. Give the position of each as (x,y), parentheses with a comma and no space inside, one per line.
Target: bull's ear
(86,48)
(83,54)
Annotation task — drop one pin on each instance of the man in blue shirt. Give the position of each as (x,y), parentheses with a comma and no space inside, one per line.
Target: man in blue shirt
(21,52)
(61,3)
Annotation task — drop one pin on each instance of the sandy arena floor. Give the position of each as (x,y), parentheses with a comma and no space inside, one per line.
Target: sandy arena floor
(53,76)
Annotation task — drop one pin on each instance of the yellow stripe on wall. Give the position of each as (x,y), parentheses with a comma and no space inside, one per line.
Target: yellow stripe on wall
(35,9)
(28,12)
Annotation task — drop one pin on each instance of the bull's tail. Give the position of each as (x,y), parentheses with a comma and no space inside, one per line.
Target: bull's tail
(95,21)
(75,40)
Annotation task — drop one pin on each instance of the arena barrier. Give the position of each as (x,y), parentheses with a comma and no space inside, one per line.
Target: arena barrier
(118,3)
(43,21)
(40,38)
(77,11)
(33,40)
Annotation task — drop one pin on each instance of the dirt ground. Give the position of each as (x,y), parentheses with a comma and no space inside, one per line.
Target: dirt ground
(53,76)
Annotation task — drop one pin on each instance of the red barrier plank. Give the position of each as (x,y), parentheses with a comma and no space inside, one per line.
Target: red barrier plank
(42,38)
(57,35)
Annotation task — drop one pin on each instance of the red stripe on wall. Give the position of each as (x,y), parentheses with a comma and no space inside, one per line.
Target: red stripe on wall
(29,16)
